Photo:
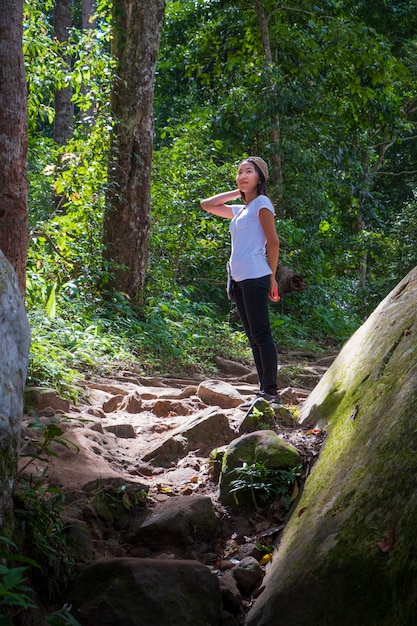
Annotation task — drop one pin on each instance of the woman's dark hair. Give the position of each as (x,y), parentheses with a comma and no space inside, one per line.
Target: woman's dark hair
(261,185)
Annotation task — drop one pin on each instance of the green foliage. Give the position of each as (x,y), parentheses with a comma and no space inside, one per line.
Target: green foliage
(341,84)
(40,528)
(39,514)
(41,533)
(45,449)
(14,592)
(110,497)
(66,183)
(62,617)
(264,483)
(82,63)
(340,99)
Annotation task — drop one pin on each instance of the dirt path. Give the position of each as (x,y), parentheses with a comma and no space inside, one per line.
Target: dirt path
(119,420)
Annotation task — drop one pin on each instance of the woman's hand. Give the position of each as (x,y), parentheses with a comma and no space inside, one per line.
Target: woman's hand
(273,291)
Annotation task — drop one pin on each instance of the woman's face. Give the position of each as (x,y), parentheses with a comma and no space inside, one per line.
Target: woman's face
(247,178)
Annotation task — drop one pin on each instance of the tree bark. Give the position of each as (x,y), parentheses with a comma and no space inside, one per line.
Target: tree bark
(88,22)
(275,129)
(13,140)
(136,38)
(87,14)
(64,108)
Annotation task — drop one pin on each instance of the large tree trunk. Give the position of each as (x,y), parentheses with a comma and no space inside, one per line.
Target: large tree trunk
(64,108)
(136,38)
(275,128)
(13,140)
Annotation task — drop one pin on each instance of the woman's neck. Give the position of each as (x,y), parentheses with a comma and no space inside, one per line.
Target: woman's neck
(250,196)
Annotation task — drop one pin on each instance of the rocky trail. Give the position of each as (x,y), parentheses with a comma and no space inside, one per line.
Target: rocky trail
(134,451)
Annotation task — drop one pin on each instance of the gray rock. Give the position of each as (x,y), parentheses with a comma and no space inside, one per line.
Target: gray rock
(261,415)
(113,403)
(219,393)
(231,598)
(202,432)
(231,367)
(14,356)
(122,431)
(145,592)
(248,575)
(180,521)
(163,408)
(132,403)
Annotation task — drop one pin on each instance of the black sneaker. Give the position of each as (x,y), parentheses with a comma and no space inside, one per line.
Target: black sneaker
(274,400)
(249,403)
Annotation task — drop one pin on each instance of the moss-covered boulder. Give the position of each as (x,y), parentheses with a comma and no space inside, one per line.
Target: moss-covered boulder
(263,447)
(347,555)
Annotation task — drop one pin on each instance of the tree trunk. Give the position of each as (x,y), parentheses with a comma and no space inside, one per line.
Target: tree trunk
(64,108)
(87,14)
(88,22)
(136,37)
(275,130)
(13,140)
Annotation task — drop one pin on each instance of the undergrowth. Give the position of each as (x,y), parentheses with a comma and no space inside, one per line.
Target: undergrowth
(174,334)
(37,563)
(264,483)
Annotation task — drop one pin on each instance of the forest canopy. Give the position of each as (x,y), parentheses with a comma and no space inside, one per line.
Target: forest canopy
(323,91)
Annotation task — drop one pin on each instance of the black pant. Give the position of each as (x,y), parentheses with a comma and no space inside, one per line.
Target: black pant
(251,298)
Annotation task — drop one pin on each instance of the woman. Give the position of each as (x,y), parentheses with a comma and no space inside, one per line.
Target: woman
(253,233)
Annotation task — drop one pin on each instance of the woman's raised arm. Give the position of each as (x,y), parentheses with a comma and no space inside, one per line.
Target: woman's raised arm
(217,204)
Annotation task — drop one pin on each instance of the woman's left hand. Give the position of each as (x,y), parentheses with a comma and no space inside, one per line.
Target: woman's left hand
(273,291)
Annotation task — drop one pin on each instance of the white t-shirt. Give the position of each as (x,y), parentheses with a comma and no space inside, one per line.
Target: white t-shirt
(247,259)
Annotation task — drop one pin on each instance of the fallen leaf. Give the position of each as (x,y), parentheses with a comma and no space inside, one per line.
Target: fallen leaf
(314,431)
(387,544)
(164,489)
(264,560)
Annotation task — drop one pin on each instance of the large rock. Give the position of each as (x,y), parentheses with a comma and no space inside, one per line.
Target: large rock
(14,355)
(219,393)
(180,521)
(202,432)
(263,446)
(147,592)
(347,554)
